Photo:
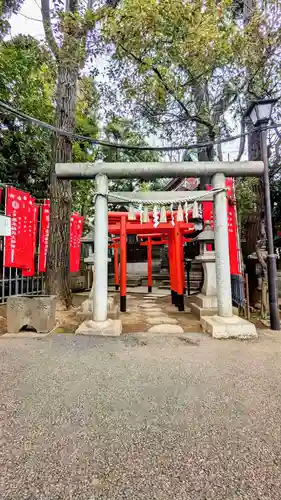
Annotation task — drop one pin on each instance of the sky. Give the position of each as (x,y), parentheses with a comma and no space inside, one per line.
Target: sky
(21,24)
(28,21)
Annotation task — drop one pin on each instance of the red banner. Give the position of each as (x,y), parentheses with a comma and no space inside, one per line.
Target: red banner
(76,230)
(232,229)
(29,269)
(44,236)
(18,246)
(207,207)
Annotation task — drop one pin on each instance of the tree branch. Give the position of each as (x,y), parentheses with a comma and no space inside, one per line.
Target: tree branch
(276,130)
(45,8)
(98,15)
(192,118)
(242,141)
(30,18)
(72,5)
(219,151)
(112,3)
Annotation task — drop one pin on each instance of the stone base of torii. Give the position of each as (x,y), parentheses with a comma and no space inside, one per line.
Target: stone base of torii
(222,325)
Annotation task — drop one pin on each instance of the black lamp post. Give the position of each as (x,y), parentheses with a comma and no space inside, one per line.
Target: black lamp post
(260,113)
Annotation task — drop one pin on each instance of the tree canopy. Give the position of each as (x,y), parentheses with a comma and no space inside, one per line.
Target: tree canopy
(189,67)
(27,82)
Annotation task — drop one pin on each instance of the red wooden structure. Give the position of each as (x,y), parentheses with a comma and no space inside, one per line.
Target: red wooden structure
(115,245)
(154,239)
(172,234)
(148,240)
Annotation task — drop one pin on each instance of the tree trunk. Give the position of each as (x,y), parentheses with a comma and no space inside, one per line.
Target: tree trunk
(58,276)
(254,154)
(202,133)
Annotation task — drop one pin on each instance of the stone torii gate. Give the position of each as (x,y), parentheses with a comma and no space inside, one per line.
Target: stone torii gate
(223,325)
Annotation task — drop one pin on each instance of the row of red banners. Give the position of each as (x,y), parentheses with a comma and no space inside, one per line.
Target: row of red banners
(232,226)
(76,230)
(20,247)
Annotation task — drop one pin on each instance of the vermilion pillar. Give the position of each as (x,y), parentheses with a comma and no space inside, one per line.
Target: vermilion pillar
(182,264)
(149,265)
(123,263)
(172,268)
(116,266)
(178,262)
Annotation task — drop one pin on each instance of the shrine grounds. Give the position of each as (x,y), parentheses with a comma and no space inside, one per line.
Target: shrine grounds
(140,417)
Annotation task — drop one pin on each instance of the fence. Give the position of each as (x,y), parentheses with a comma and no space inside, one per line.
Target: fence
(13,283)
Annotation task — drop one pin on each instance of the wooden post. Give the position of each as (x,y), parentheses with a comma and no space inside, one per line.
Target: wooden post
(123,263)
(149,265)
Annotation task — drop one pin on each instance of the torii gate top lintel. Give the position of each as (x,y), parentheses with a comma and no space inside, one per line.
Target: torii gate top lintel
(153,170)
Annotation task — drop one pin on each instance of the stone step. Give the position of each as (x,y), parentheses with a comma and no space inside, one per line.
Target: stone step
(199,312)
(133,282)
(114,313)
(233,327)
(204,301)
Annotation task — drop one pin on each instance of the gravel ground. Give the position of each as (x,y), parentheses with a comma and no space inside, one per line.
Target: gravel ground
(137,418)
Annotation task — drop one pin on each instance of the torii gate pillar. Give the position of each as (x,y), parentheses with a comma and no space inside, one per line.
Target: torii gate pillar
(101,249)
(221,248)
(225,324)
(101,325)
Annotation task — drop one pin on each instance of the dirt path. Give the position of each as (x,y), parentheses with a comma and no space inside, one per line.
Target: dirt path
(140,418)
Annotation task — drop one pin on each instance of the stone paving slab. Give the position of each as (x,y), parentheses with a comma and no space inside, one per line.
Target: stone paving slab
(157,292)
(147,305)
(173,309)
(166,329)
(162,320)
(152,309)
(153,314)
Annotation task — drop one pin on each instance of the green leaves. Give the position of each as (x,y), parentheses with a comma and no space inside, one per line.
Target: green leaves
(27,83)
(246,196)
(123,130)
(170,55)
(176,58)
(27,76)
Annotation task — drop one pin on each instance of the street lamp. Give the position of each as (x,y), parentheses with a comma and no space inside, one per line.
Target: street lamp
(260,113)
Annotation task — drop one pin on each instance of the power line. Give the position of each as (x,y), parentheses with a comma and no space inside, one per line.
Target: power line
(115,145)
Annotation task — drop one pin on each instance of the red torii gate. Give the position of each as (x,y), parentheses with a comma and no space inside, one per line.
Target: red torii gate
(115,245)
(119,224)
(149,242)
